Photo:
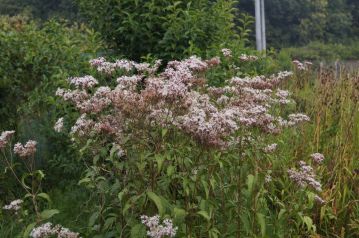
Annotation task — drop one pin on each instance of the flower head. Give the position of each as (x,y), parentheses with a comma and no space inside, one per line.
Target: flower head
(305,176)
(59,125)
(26,150)
(14,205)
(317,157)
(5,137)
(158,229)
(48,230)
(226,52)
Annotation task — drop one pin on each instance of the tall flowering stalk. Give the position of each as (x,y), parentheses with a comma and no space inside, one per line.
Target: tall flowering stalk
(26,152)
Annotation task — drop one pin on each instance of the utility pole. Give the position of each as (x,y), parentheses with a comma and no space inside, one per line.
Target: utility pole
(260,25)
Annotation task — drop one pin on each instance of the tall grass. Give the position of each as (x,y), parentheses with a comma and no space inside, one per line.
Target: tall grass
(332,103)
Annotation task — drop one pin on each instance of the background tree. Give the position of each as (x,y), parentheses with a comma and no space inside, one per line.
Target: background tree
(166,29)
(298,22)
(41,9)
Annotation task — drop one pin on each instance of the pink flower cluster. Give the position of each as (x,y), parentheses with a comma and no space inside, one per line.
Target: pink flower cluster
(305,176)
(48,230)
(104,66)
(317,157)
(158,230)
(83,82)
(5,138)
(179,97)
(27,150)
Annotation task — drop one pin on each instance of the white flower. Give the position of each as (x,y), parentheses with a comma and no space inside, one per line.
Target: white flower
(47,230)
(158,230)
(270,148)
(59,125)
(14,205)
(226,52)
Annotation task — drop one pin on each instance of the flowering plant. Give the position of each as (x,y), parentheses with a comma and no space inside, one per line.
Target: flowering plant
(157,141)
(30,180)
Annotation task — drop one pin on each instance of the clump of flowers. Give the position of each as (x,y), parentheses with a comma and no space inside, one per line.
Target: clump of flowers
(14,205)
(226,52)
(47,230)
(317,157)
(248,58)
(27,150)
(59,125)
(158,229)
(302,66)
(268,178)
(126,65)
(83,82)
(270,148)
(296,118)
(178,97)
(5,138)
(305,176)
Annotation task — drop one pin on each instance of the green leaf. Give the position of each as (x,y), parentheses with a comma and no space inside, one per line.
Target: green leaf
(44,196)
(84,180)
(46,214)
(204,214)
(262,223)
(159,160)
(121,194)
(157,200)
(40,174)
(28,230)
(281,213)
(309,223)
(109,222)
(93,219)
(164,132)
(170,170)
(205,186)
(179,213)
(138,231)
(24,176)
(250,183)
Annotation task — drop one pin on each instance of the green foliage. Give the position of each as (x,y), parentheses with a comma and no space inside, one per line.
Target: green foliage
(298,22)
(318,51)
(332,102)
(164,29)
(40,9)
(36,60)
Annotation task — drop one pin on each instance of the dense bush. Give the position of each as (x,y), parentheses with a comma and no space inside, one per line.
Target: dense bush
(164,29)
(35,61)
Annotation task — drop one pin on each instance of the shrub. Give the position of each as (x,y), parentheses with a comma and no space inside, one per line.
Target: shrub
(165,29)
(35,61)
(167,143)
